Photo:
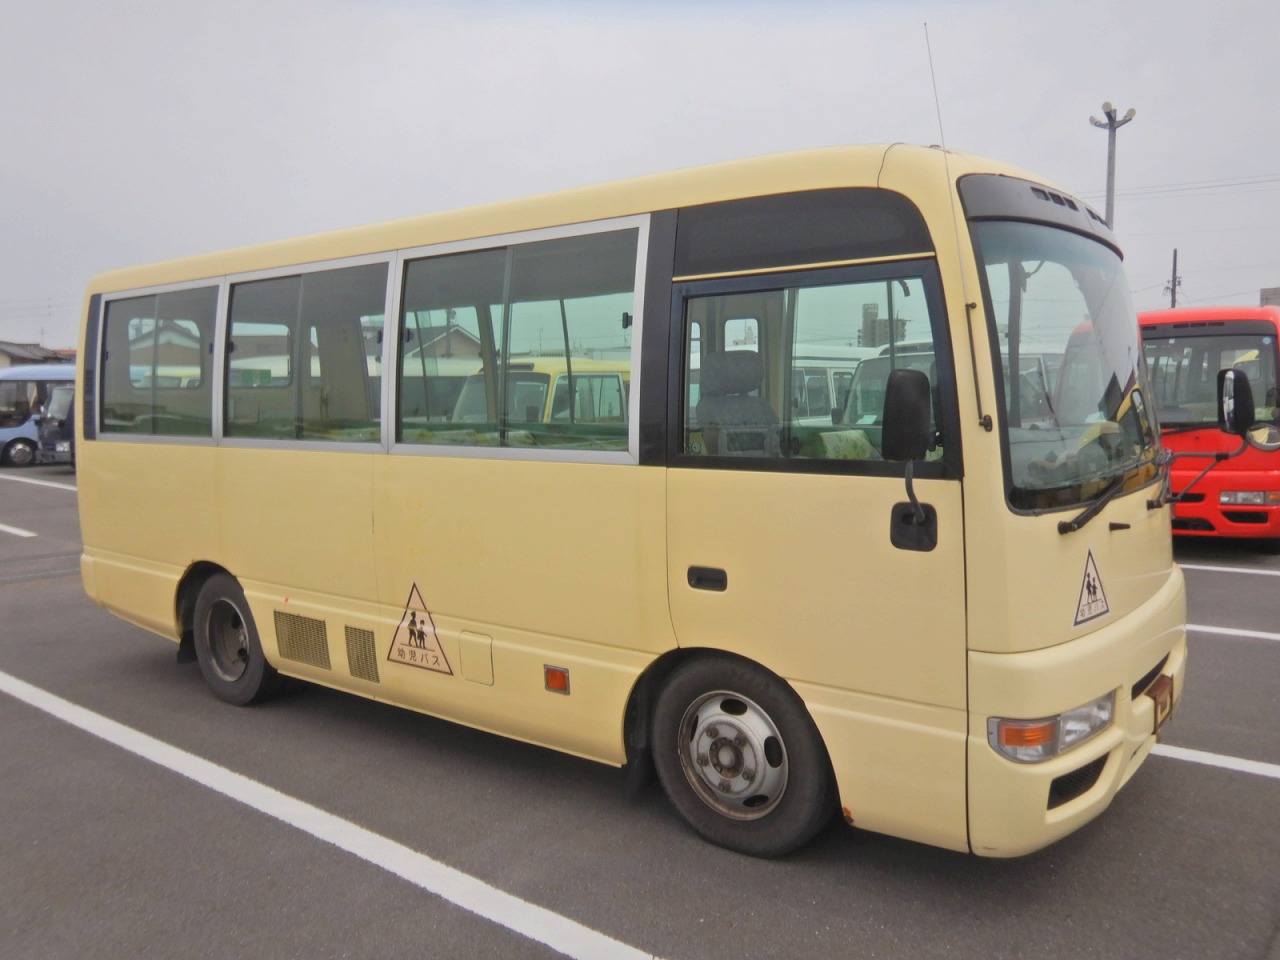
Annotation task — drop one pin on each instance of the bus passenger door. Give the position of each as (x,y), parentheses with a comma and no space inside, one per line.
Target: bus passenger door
(779,530)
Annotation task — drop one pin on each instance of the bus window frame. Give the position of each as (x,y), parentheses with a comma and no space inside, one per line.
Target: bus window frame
(924,268)
(638,222)
(96,365)
(222,358)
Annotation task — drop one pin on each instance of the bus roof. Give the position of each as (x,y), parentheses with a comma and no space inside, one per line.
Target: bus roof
(927,170)
(39,371)
(1151,318)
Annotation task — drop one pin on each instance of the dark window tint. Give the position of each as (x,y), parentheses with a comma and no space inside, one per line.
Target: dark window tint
(816,226)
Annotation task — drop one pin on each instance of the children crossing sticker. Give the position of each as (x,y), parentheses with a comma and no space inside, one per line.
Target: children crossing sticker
(416,643)
(1093,599)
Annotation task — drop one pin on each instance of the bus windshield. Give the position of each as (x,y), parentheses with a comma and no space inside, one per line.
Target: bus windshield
(59,405)
(1077,426)
(1184,371)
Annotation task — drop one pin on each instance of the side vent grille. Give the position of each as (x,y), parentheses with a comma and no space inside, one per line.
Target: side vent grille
(1076,783)
(302,639)
(1246,516)
(362,658)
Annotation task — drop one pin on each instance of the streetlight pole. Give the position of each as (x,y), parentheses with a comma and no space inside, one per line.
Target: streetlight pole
(1111,125)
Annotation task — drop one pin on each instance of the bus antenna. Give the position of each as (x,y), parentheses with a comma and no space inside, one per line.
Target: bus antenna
(933,78)
(984,419)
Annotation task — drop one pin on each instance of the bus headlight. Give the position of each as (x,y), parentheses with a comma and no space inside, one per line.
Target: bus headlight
(1034,741)
(1252,498)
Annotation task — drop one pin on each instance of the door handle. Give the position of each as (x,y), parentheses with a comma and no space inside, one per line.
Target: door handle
(708,578)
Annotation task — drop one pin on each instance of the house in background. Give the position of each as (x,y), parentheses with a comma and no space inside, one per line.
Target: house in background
(16,354)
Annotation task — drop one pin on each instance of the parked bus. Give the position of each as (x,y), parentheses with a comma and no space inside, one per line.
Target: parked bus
(536,392)
(24,390)
(822,376)
(962,628)
(57,431)
(1185,348)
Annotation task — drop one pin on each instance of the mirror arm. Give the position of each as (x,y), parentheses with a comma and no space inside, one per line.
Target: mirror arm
(921,517)
(1167,496)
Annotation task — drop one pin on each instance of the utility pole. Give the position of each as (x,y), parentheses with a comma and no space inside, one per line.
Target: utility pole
(1111,125)
(1175,281)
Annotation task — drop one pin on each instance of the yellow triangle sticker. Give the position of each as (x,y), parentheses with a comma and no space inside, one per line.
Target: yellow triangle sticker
(416,643)
(1093,599)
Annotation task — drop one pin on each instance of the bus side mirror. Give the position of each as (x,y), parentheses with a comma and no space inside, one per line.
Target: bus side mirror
(906,433)
(1235,402)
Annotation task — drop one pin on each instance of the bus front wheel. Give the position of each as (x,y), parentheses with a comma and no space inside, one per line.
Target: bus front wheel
(227,644)
(740,758)
(20,453)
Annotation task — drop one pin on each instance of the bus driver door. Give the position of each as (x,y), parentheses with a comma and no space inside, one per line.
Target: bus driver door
(779,525)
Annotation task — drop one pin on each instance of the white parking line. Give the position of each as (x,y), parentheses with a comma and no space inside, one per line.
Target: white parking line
(1240,765)
(16,531)
(529,920)
(1233,632)
(1212,569)
(39,483)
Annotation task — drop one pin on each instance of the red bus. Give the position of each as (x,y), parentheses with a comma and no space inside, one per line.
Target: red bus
(1185,349)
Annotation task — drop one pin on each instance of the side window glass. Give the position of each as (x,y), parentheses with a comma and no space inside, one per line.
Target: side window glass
(730,413)
(798,373)
(19,399)
(155,364)
(450,308)
(522,346)
(298,356)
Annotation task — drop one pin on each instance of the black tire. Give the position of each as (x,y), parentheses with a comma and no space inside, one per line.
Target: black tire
(19,453)
(740,758)
(227,644)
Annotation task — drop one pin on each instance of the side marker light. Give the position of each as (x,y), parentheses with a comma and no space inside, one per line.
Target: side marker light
(556,679)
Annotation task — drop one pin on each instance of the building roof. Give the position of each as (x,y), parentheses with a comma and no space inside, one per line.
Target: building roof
(29,353)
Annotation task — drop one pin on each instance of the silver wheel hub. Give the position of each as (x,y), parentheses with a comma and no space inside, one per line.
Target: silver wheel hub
(732,755)
(228,641)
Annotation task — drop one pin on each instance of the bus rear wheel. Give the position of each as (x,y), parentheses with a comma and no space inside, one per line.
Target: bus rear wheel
(740,758)
(227,644)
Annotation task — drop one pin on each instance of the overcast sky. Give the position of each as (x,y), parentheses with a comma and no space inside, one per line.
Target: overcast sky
(141,131)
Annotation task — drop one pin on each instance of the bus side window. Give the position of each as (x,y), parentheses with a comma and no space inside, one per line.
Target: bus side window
(298,367)
(824,348)
(155,364)
(549,324)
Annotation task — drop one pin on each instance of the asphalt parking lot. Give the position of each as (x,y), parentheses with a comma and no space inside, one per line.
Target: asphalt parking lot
(144,818)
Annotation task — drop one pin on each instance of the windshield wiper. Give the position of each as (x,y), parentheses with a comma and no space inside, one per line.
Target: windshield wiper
(1091,511)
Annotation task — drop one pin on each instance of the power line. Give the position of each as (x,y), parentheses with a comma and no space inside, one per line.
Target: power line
(1191,186)
(1200,185)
